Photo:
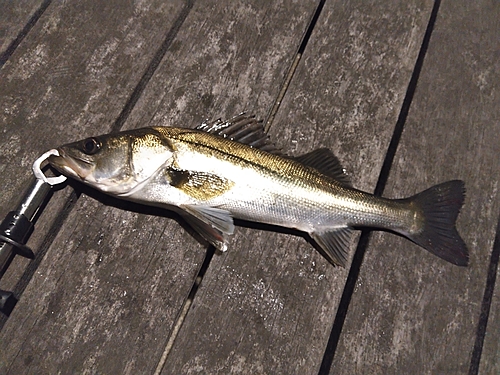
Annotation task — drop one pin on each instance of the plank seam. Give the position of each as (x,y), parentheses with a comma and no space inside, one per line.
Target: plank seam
(151,69)
(185,309)
(293,67)
(362,246)
(22,34)
(486,304)
(211,250)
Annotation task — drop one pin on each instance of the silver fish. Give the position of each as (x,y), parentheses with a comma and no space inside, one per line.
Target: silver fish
(225,170)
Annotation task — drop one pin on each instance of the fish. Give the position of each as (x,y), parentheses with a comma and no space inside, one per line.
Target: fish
(226,170)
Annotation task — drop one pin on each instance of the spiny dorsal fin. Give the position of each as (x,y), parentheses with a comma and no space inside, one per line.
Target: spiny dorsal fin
(243,129)
(324,161)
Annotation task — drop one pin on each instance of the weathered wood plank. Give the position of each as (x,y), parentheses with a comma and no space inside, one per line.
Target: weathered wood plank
(490,354)
(267,305)
(490,348)
(135,267)
(71,75)
(412,312)
(237,63)
(14,17)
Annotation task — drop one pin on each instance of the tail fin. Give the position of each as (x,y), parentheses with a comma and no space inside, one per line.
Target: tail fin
(440,205)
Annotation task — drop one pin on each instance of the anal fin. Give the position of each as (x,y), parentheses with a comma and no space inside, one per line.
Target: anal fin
(335,244)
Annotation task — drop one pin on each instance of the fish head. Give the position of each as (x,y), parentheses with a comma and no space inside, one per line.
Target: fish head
(117,164)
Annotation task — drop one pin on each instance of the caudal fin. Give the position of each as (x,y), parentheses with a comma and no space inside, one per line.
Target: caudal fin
(440,206)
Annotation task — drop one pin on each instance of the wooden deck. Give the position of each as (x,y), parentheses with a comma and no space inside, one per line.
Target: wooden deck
(407,95)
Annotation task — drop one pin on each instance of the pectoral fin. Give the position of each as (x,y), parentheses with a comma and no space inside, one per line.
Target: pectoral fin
(199,185)
(335,244)
(214,224)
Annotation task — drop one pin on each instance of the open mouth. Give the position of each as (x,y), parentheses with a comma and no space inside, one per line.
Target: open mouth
(70,165)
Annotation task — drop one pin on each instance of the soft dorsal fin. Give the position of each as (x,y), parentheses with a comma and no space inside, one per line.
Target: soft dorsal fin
(325,162)
(243,129)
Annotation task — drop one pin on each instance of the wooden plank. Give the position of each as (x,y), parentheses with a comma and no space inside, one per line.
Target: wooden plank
(72,75)
(14,20)
(412,312)
(487,342)
(267,305)
(225,75)
(113,281)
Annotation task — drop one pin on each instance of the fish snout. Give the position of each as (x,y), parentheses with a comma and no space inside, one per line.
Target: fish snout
(69,166)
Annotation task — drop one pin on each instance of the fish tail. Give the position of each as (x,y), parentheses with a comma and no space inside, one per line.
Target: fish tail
(440,206)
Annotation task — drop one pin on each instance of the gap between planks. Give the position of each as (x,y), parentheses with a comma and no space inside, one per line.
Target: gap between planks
(185,309)
(26,29)
(293,67)
(489,290)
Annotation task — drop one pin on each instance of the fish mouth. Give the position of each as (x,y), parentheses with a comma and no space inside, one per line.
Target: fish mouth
(70,165)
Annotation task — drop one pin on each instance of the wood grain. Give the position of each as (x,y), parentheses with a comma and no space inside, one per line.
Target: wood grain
(412,312)
(14,19)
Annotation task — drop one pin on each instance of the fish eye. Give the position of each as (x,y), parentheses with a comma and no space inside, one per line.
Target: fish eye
(91,146)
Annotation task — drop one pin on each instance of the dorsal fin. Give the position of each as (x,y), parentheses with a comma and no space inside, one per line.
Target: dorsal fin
(243,129)
(324,161)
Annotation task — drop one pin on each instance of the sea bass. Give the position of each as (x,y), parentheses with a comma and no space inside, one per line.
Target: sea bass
(224,170)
